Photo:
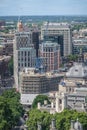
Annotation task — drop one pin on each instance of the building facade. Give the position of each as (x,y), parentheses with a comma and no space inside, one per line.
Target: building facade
(50,51)
(24,52)
(60,33)
(32,83)
(79,46)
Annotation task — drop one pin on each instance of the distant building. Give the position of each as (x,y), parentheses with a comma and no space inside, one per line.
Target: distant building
(5,79)
(80,45)
(7,48)
(50,51)
(6,41)
(2,23)
(77,71)
(4,60)
(7,36)
(75,77)
(60,33)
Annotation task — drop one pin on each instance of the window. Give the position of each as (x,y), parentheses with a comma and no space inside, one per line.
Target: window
(25,53)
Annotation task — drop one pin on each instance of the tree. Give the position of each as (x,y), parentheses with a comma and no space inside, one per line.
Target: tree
(39,98)
(5,114)
(72,57)
(63,119)
(12,101)
(36,116)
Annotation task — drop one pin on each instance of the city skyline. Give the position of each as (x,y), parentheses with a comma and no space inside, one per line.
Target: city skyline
(43,7)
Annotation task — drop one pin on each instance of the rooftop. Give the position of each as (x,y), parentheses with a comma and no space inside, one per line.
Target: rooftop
(56,25)
(78,70)
(32,72)
(50,44)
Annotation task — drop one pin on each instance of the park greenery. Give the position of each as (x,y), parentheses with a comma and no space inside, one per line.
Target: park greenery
(72,57)
(40,98)
(10,109)
(79,26)
(63,119)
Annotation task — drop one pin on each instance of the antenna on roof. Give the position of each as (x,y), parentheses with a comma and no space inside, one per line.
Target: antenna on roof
(18,18)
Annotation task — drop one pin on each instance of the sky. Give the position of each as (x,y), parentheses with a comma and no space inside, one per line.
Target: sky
(43,7)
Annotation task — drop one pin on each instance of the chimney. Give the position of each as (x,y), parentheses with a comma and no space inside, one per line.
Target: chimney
(52,105)
(39,105)
(45,102)
(72,125)
(53,124)
(39,126)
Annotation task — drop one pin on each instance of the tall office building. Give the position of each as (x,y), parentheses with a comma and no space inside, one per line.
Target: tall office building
(60,33)
(24,52)
(35,40)
(35,36)
(50,51)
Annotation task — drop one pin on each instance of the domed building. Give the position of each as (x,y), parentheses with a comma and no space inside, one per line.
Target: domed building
(75,77)
(78,70)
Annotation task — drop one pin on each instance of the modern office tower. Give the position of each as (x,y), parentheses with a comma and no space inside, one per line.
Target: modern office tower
(35,40)
(51,51)
(60,33)
(24,52)
(35,35)
(26,58)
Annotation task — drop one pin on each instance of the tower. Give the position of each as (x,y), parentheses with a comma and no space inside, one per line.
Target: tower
(61,102)
(20,26)
(24,52)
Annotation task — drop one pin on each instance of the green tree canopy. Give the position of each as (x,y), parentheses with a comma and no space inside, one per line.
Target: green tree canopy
(39,98)
(35,117)
(72,57)
(63,119)
(10,109)
(5,114)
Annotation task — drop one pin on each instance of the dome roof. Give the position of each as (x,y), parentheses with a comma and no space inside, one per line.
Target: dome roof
(78,70)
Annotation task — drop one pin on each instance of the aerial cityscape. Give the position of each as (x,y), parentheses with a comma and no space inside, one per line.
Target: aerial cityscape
(43,65)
